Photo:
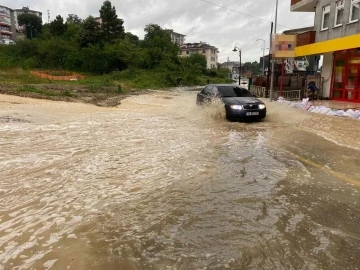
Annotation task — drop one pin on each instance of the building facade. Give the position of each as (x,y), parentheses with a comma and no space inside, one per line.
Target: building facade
(24,10)
(337,26)
(177,38)
(210,52)
(7,24)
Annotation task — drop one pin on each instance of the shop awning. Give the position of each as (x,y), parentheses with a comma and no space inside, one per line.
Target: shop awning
(333,45)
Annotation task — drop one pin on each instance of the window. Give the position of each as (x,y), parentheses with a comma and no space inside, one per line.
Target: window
(339,13)
(354,10)
(325,18)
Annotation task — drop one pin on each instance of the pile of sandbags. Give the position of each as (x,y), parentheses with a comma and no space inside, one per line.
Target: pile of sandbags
(306,106)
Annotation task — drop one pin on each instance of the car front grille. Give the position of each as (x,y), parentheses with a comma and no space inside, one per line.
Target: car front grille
(251,107)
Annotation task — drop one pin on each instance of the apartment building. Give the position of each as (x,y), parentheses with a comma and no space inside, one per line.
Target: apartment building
(7,24)
(176,37)
(24,10)
(337,38)
(210,52)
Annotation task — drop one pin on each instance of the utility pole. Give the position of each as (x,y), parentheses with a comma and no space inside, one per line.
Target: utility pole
(269,61)
(273,63)
(240,68)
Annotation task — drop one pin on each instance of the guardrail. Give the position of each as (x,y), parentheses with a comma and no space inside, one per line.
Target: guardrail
(259,91)
(289,95)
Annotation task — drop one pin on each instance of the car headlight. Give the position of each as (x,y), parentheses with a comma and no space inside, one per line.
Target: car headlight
(236,107)
(262,106)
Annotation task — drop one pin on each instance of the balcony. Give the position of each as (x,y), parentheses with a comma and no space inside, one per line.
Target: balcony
(303,5)
(5,21)
(5,32)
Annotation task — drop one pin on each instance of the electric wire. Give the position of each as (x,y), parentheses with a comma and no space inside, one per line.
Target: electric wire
(234,10)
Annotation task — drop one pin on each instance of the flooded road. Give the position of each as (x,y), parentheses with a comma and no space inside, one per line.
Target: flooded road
(159,183)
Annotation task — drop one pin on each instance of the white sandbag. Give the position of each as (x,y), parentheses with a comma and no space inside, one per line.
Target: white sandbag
(340,113)
(331,113)
(355,115)
(305,101)
(325,110)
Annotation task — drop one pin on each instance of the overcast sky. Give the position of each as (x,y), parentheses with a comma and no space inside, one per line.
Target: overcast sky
(198,20)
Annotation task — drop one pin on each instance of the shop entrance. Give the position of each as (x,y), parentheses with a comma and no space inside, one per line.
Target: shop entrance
(346,76)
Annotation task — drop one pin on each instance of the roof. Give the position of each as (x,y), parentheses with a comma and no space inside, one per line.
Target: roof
(200,45)
(6,7)
(26,9)
(299,30)
(172,31)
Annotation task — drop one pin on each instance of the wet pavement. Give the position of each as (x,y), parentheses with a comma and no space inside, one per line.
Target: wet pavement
(159,183)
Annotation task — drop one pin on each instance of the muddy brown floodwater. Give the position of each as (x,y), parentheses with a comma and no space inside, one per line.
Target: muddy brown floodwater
(159,183)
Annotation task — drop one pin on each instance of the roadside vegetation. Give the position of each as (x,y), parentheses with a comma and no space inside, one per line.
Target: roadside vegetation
(105,53)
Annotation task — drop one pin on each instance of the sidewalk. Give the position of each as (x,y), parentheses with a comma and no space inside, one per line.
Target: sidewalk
(336,105)
(326,107)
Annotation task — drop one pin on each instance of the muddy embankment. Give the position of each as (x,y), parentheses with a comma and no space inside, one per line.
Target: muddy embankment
(97,95)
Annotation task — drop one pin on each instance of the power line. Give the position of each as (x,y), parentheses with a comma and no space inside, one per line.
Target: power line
(233,10)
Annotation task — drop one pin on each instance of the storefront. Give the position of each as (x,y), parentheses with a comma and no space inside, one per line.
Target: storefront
(345,84)
(341,66)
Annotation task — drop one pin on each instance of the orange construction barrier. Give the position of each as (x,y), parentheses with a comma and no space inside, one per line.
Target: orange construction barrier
(43,75)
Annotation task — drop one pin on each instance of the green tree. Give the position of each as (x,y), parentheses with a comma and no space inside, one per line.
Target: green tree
(73,19)
(32,23)
(123,55)
(197,58)
(94,59)
(132,38)
(111,25)
(54,52)
(58,27)
(254,67)
(90,33)
(159,46)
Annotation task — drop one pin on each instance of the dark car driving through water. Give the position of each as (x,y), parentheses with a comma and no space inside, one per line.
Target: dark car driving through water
(239,103)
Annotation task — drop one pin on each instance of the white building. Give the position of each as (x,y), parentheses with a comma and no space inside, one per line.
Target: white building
(210,52)
(176,37)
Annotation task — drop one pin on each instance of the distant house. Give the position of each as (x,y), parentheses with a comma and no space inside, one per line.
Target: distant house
(232,66)
(210,52)
(176,37)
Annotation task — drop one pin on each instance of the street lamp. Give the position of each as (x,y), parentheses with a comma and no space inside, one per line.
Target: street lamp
(240,69)
(263,40)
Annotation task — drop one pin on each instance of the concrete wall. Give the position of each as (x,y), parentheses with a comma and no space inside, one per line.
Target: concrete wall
(326,72)
(346,29)
(13,28)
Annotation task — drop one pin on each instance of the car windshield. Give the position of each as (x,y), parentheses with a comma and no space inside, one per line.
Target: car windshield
(231,91)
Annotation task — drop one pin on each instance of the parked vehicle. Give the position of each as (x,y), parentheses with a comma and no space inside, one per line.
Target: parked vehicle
(239,103)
